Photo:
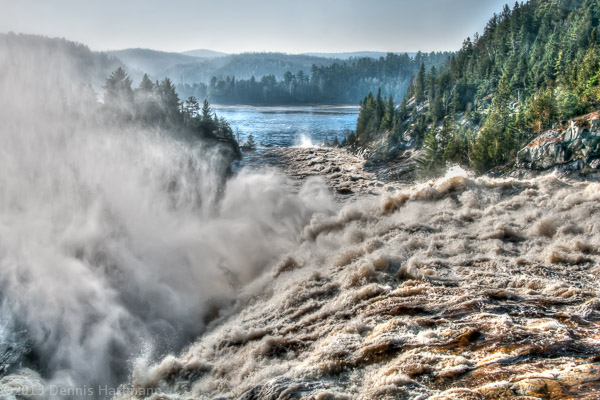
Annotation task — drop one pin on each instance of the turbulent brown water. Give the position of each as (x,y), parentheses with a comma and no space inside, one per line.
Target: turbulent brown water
(459,288)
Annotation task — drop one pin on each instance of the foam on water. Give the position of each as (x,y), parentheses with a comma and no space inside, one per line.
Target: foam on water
(444,290)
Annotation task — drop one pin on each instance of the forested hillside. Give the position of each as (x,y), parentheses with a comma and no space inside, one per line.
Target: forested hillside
(535,66)
(243,66)
(153,62)
(338,83)
(70,59)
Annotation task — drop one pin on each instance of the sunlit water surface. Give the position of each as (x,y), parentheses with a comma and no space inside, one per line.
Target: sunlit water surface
(290,126)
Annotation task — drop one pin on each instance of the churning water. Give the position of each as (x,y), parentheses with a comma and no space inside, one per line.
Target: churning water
(458,288)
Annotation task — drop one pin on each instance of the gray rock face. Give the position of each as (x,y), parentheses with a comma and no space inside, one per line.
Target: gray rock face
(574,149)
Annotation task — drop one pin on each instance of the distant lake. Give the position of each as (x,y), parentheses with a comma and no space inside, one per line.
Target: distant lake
(290,126)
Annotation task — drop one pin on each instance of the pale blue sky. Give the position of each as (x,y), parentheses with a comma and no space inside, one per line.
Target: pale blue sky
(261,25)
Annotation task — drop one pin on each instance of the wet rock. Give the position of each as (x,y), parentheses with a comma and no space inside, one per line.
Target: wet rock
(343,171)
(279,389)
(576,148)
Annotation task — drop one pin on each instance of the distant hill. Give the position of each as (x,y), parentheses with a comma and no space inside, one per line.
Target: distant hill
(203,53)
(48,62)
(202,65)
(343,82)
(244,66)
(357,54)
(152,62)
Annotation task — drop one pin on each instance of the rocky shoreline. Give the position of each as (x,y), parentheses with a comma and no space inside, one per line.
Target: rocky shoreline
(343,172)
(348,176)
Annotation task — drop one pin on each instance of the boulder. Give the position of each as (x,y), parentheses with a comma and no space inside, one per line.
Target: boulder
(573,149)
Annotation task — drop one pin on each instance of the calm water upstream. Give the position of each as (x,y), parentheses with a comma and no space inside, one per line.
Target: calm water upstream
(290,126)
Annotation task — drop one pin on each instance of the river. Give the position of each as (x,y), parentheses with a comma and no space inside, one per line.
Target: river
(290,125)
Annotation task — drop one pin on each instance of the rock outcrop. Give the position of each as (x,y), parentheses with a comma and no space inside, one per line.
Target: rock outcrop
(344,172)
(576,148)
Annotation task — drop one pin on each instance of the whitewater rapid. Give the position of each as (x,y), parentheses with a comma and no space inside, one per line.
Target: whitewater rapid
(458,288)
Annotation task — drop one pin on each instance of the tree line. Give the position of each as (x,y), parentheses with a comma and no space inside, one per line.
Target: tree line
(338,83)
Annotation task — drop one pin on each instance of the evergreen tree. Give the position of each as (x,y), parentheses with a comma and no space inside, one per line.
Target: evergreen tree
(543,111)
(249,145)
(430,163)
(389,116)
(206,111)
(169,101)
(191,107)
(118,94)
(146,85)
(147,104)
(420,85)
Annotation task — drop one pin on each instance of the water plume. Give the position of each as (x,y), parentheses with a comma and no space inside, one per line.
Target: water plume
(118,240)
(304,141)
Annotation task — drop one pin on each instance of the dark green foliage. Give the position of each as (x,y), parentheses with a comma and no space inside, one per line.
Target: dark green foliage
(351,139)
(250,145)
(377,116)
(431,162)
(190,109)
(389,116)
(441,147)
(157,105)
(337,83)
(419,91)
(118,95)
(495,144)
(543,111)
(535,65)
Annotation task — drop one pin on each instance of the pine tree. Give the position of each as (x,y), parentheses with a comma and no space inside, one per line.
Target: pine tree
(206,111)
(389,117)
(191,107)
(430,163)
(169,101)
(420,85)
(367,122)
(146,85)
(118,95)
(249,145)
(543,111)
